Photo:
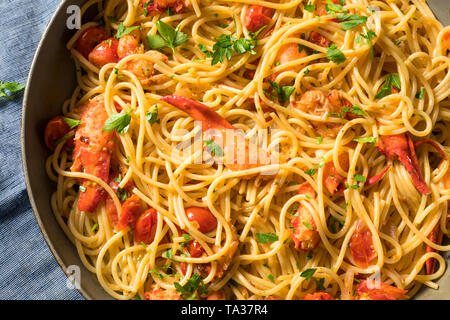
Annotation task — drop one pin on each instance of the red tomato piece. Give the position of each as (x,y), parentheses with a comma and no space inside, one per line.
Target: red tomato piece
(105,52)
(56,129)
(205,219)
(131,209)
(89,39)
(146,227)
(256,17)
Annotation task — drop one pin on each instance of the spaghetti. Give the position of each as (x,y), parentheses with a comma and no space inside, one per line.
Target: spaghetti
(351,96)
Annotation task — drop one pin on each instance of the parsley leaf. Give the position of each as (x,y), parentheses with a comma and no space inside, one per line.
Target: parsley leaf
(167,254)
(72,122)
(319,140)
(12,87)
(420,94)
(349,21)
(308,273)
(392,80)
(283,92)
(332,8)
(359,178)
(122,31)
(169,37)
(335,54)
(311,172)
(255,34)
(310,7)
(119,122)
(152,115)
(205,50)
(266,237)
(368,35)
(225,45)
(366,139)
(306,224)
(189,289)
(213,148)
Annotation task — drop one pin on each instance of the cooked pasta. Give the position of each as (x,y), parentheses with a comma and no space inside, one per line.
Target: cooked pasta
(337,186)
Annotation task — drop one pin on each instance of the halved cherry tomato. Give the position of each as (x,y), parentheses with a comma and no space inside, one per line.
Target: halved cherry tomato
(195,249)
(361,245)
(131,209)
(105,52)
(89,39)
(146,227)
(256,17)
(56,129)
(205,219)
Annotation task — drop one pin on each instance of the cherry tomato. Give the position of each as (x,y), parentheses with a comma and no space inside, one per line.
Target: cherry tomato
(195,249)
(56,129)
(89,39)
(205,219)
(131,209)
(256,17)
(146,227)
(105,52)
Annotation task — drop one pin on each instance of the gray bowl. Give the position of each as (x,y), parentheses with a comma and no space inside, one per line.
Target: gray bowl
(51,81)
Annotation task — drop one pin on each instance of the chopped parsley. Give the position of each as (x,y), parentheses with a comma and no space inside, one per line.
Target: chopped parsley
(122,31)
(420,94)
(213,148)
(335,54)
(366,139)
(319,140)
(119,122)
(189,289)
(168,37)
(359,178)
(12,87)
(167,254)
(271,278)
(368,35)
(392,80)
(283,92)
(266,237)
(152,115)
(72,122)
(82,189)
(226,44)
(349,21)
(310,7)
(306,224)
(308,273)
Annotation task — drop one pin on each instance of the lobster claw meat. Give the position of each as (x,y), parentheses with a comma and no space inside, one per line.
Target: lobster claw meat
(401,147)
(92,153)
(238,152)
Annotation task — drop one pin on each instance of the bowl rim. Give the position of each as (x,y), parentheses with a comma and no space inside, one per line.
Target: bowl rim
(53,251)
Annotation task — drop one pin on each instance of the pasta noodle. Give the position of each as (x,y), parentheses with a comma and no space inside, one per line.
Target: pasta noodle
(339,91)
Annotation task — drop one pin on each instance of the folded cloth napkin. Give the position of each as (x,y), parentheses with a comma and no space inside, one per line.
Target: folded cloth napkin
(28,269)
